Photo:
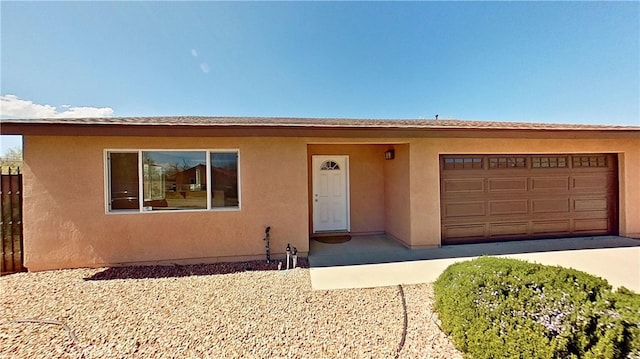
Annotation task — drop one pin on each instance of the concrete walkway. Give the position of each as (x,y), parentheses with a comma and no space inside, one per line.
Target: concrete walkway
(375,261)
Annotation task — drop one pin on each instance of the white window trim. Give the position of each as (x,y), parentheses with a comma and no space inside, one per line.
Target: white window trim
(208,152)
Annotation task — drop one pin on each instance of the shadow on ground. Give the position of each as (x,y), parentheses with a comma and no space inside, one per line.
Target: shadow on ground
(176,271)
(376,249)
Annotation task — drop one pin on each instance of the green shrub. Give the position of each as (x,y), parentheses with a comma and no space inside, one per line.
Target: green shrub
(507,308)
(627,304)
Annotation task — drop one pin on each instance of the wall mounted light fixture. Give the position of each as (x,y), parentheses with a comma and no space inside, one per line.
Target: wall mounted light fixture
(389,154)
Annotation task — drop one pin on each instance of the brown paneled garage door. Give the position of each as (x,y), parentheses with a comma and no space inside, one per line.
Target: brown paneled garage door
(503,197)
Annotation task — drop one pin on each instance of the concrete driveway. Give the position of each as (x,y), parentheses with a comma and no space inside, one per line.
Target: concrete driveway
(377,260)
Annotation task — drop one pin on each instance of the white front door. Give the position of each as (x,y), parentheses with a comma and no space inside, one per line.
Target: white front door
(330,193)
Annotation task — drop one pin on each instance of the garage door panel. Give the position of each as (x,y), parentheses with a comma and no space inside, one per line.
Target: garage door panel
(508,207)
(590,204)
(550,205)
(464,231)
(508,229)
(563,226)
(592,182)
(539,184)
(591,224)
(510,185)
(464,209)
(469,185)
(528,196)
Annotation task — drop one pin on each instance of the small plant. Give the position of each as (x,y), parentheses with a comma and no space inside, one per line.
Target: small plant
(507,308)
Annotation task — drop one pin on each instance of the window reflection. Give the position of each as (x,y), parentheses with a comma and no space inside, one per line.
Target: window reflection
(123,173)
(174,180)
(224,178)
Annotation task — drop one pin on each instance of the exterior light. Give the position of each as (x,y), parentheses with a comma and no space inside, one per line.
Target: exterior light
(389,154)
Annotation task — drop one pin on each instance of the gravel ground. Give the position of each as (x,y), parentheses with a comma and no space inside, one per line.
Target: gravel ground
(211,311)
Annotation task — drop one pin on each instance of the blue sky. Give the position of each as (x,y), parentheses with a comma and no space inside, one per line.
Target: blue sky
(567,62)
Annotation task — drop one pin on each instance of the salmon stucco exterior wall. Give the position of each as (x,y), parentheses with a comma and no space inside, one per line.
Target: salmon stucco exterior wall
(379,189)
(412,179)
(66,224)
(424,169)
(629,182)
(366,177)
(397,194)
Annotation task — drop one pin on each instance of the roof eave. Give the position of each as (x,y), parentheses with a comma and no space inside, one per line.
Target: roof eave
(297,130)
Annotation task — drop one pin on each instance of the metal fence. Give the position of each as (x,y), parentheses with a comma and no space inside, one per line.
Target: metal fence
(11,222)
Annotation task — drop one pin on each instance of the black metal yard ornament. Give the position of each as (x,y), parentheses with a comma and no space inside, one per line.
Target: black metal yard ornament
(266,239)
(288,254)
(295,257)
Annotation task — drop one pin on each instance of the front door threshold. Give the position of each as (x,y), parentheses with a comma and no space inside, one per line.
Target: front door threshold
(327,233)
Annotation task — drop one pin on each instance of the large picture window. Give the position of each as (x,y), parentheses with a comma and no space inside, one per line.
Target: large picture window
(173,180)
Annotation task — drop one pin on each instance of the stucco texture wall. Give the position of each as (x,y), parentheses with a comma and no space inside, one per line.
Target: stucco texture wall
(366,179)
(424,175)
(397,195)
(412,188)
(66,224)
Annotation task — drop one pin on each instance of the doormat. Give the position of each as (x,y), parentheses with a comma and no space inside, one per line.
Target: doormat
(333,239)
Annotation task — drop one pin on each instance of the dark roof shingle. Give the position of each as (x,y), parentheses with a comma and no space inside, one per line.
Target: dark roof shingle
(314,122)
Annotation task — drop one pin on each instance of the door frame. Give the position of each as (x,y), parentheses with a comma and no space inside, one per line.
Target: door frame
(347,189)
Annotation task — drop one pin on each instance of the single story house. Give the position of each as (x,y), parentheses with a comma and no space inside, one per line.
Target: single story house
(113,191)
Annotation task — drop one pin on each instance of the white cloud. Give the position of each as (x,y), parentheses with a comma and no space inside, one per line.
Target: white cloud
(194,53)
(13,106)
(205,67)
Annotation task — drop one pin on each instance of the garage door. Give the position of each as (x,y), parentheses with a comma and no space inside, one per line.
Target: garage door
(505,197)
